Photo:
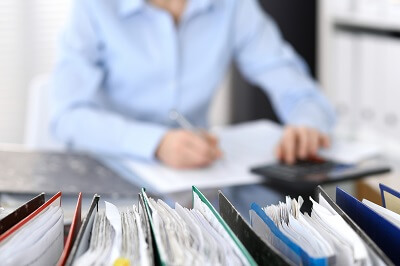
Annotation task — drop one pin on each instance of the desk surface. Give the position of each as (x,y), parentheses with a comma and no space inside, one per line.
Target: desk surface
(50,172)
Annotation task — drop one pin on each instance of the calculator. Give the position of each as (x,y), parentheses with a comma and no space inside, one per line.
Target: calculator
(318,171)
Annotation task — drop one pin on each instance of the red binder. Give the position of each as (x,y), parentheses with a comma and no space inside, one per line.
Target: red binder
(54,201)
(73,232)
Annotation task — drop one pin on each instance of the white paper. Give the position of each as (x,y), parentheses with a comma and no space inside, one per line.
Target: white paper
(350,152)
(114,217)
(39,242)
(244,146)
(392,217)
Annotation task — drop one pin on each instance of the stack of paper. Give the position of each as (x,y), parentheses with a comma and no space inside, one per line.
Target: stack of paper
(321,238)
(37,239)
(193,237)
(154,231)
(117,237)
(243,146)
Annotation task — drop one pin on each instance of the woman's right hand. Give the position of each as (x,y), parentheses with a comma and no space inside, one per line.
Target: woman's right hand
(184,149)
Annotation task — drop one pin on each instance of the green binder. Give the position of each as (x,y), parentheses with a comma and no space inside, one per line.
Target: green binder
(161,259)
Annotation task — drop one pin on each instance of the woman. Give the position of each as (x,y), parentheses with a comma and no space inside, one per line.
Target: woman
(125,64)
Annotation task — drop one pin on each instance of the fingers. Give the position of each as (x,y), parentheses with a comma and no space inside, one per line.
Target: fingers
(203,151)
(286,148)
(184,149)
(303,143)
(214,142)
(325,141)
(300,143)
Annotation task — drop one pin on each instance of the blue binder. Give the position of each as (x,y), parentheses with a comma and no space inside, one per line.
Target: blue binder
(305,258)
(387,190)
(385,234)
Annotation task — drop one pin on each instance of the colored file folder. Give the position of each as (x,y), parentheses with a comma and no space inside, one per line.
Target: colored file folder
(345,242)
(297,255)
(199,202)
(390,198)
(37,239)
(21,213)
(262,252)
(82,241)
(73,232)
(385,234)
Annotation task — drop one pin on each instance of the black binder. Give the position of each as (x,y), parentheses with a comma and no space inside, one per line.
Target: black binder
(262,252)
(82,241)
(21,213)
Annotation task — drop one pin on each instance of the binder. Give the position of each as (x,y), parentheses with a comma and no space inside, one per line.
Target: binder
(390,198)
(367,240)
(223,223)
(341,89)
(82,241)
(47,250)
(73,231)
(54,201)
(385,234)
(261,223)
(160,259)
(262,252)
(21,213)
(83,238)
(146,225)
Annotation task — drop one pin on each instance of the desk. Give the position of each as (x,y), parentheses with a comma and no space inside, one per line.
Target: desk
(25,174)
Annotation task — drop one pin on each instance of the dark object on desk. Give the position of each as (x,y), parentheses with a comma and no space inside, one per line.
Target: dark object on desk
(315,172)
(21,213)
(262,252)
(49,172)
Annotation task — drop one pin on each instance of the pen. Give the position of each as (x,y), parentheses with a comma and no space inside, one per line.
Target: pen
(185,124)
(182,121)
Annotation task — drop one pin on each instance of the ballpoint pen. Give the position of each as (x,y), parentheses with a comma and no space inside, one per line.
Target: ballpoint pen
(185,124)
(182,121)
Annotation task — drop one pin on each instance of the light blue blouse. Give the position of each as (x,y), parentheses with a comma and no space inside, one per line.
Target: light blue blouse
(124,64)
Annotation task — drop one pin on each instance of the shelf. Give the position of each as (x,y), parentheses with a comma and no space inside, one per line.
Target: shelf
(378,24)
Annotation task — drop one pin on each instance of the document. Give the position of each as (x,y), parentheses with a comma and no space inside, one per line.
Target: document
(321,238)
(196,236)
(36,240)
(116,237)
(383,232)
(243,145)
(350,152)
(392,217)
(182,236)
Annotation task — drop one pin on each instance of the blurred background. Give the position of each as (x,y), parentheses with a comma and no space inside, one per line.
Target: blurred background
(351,46)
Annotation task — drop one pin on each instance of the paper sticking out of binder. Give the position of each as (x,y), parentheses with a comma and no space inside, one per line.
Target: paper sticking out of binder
(381,224)
(322,238)
(33,234)
(154,233)
(181,236)
(197,236)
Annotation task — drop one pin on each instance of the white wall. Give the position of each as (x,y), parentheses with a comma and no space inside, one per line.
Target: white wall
(28,43)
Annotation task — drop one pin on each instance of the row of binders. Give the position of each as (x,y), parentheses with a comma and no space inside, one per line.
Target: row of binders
(345,232)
